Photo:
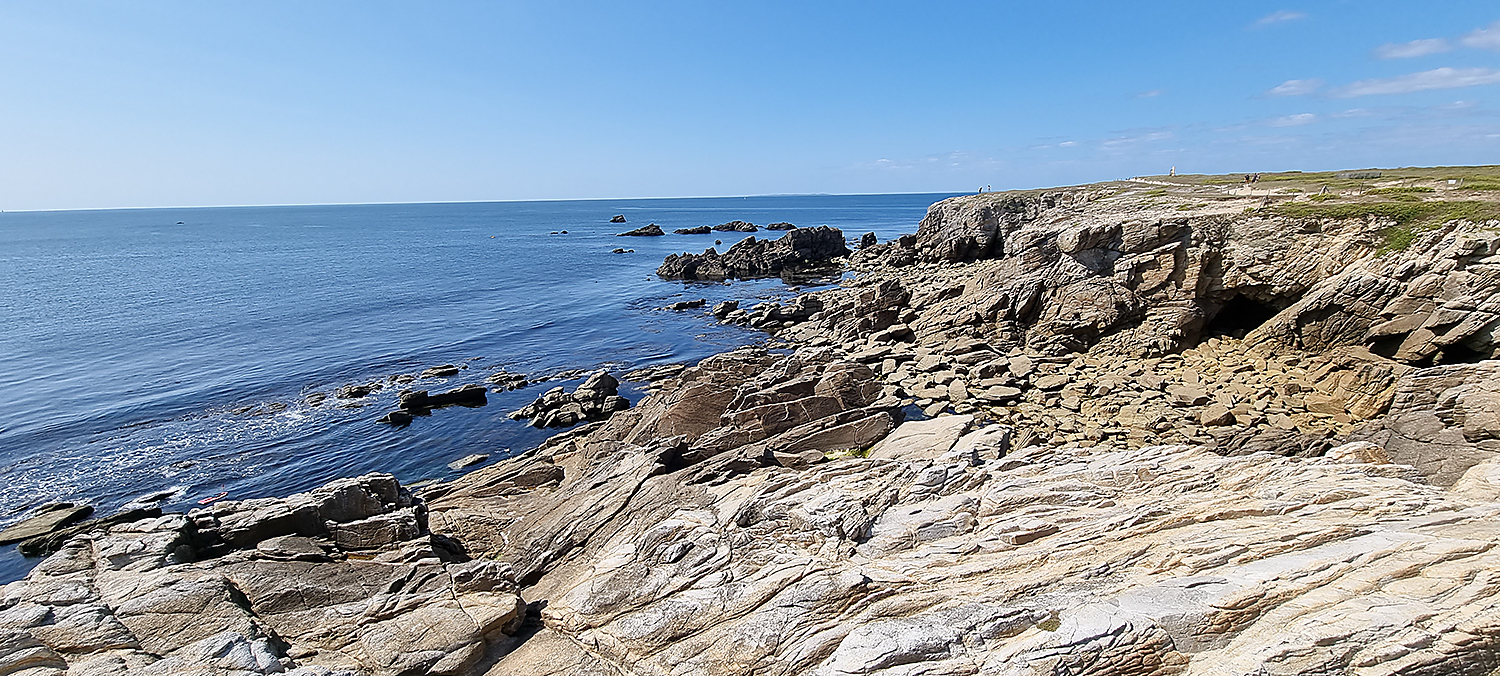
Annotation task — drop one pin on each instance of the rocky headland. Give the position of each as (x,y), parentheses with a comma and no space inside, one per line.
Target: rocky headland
(1173,425)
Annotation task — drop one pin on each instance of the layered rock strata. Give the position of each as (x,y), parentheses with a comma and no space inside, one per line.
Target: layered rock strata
(1120,430)
(345,580)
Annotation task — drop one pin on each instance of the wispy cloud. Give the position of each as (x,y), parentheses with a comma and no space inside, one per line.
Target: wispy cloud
(1294,120)
(1484,38)
(1151,94)
(1415,48)
(1279,16)
(1437,78)
(1120,142)
(1296,88)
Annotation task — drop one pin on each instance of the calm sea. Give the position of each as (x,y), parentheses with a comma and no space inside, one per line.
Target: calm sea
(172,349)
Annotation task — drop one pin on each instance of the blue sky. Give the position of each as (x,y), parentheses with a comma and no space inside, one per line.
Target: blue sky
(111,104)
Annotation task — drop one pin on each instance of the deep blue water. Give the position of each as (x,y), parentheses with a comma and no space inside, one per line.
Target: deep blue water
(131,341)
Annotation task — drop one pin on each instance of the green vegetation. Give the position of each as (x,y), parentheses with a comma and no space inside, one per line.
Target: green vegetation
(1313,181)
(847,453)
(1411,218)
(1480,185)
(1159,192)
(1413,190)
(1049,624)
(1401,212)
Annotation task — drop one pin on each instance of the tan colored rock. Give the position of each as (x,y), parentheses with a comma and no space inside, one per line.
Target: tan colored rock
(922,439)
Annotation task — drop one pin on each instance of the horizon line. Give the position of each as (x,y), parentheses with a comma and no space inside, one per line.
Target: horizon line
(501,201)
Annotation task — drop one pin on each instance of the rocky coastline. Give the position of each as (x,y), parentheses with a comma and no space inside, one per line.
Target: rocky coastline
(1161,426)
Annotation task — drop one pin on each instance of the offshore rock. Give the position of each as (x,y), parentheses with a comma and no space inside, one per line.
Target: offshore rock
(595,399)
(736,226)
(468,395)
(695,230)
(798,249)
(652,230)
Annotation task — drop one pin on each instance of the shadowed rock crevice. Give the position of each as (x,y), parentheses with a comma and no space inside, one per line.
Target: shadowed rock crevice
(1240,315)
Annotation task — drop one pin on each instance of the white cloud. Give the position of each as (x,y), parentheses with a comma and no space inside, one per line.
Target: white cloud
(1438,78)
(1296,88)
(1484,38)
(1279,16)
(1415,48)
(1294,120)
(1151,94)
(1067,144)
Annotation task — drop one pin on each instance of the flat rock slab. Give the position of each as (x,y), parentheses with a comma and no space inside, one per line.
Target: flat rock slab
(52,518)
(923,439)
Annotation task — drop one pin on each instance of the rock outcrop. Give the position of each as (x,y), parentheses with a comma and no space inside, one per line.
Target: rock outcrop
(594,399)
(695,230)
(799,249)
(343,581)
(736,226)
(948,552)
(651,230)
(1121,430)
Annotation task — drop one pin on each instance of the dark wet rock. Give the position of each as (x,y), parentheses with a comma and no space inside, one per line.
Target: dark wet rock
(595,399)
(315,398)
(357,391)
(781,226)
(652,230)
(687,304)
(696,230)
(723,309)
(623,251)
(655,373)
(868,240)
(45,520)
(398,418)
(620,218)
(440,371)
(799,249)
(505,380)
(467,395)
(736,226)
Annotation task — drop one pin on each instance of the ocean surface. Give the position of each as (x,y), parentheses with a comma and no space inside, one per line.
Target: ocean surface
(173,350)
